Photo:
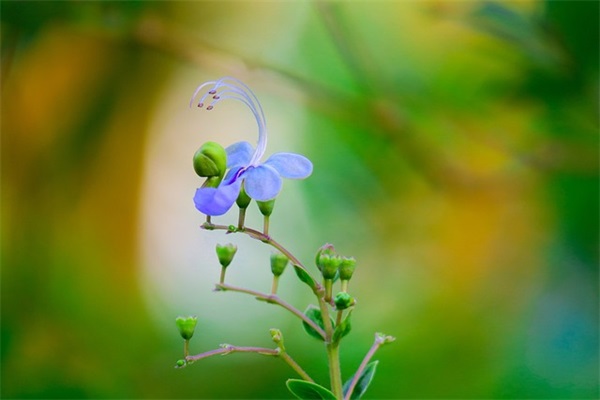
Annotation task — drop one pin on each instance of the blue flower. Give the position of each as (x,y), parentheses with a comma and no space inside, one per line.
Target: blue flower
(261,180)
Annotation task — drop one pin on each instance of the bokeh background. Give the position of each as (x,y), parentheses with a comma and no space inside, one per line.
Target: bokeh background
(455,146)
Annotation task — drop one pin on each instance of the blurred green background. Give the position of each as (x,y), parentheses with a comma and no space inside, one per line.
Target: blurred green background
(455,146)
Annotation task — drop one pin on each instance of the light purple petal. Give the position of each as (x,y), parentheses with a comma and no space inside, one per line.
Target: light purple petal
(290,165)
(211,201)
(239,154)
(262,183)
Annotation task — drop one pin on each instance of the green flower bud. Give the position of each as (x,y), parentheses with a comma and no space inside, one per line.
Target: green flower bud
(180,364)
(343,300)
(329,265)
(347,267)
(326,250)
(225,253)
(243,199)
(186,326)
(210,161)
(278,263)
(277,336)
(266,207)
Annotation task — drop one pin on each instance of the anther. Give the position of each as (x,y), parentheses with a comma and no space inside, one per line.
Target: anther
(209,108)
(200,105)
(212,91)
(216,97)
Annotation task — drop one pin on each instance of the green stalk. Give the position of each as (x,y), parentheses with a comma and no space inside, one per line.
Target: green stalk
(333,352)
(274,285)
(335,372)
(242,218)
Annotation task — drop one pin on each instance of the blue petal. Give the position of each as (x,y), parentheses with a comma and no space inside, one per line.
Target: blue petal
(262,183)
(211,201)
(239,154)
(290,165)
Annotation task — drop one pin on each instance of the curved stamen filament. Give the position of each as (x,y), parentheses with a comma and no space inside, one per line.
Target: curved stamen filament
(236,90)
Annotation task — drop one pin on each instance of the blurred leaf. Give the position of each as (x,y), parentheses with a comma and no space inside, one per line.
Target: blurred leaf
(343,328)
(315,315)
(305,277)
(308,390)
(363,382)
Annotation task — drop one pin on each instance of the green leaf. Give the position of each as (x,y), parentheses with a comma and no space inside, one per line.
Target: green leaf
(305,390)
(305,277)
(363,382)
(343,328)
(314,314)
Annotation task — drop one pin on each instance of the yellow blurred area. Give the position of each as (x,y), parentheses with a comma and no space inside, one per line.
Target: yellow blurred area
(455,152)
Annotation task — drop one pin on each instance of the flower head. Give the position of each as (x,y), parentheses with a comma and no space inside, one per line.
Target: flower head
(261,180)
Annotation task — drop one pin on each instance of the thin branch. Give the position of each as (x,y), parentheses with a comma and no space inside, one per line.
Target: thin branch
(253,233)
(380,340)
(286,357)
(228,349)
(274,299)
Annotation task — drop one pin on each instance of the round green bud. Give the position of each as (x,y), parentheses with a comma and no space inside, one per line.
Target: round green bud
(347,267)
(343,300)
(225,253)
(329,265)
(325,250)
(180,364)
(186,326)
(276,335)
(210,160)
(278,263)
(266,207)
(243,200)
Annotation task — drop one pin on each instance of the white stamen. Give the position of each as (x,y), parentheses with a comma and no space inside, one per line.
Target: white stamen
(241,92)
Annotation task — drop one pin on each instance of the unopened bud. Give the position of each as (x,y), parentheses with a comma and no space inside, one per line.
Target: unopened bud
(343,300)
(186,326)
(243,200)
(276,335)
(225,253)
(266,207)
(329,265)
(210,160)
(347,266)
(325,250)
(278,263)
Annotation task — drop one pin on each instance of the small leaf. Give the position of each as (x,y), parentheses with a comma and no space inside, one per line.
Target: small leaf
(305,390)
(363,382)
(343,328)
(305,277)
(314,314)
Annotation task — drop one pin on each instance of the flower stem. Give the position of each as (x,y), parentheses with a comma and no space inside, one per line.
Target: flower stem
(241,218)
(338,319)
(274,285)
(186,348)
(274,299)
(266,226)
(222,278)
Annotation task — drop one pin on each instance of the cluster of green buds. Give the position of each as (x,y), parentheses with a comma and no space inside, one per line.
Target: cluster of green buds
(334,267)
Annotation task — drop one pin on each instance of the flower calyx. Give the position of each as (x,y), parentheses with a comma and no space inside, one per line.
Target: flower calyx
(186,326)
(225,253)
